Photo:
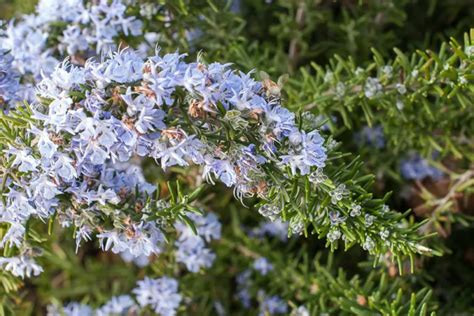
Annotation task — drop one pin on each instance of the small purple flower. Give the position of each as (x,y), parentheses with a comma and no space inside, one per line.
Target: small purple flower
(23,159)
(272,305)
(263,266)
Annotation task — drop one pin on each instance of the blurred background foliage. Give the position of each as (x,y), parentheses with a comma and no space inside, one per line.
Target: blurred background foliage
(11,8)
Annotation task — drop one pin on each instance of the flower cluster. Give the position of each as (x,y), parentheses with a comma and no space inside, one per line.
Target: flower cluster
(114,152)
(58,28)
(92,121)
(262,265)
(160,295)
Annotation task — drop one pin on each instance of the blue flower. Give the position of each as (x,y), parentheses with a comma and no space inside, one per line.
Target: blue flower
(15,233)
(87,140)
(117,305)
(140,261)
(178,149)
(371,136)
(244,297)
(77,309)
(262,265)
(44,188)
(280,122)
(149,120)
(123,66)
(74,39)
(272,305)
(140,239)
(9,78)
(417,168)
(161,294)
(306,151)
(21,266)
(23,159)
(45,146)
(64,168)
(193,253)
(221,169)
(277,228)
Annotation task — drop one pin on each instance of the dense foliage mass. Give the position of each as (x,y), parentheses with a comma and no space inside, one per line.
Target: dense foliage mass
(149,163)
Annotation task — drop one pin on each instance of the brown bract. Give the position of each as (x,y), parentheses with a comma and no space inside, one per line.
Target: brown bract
(196,109)
(145,89)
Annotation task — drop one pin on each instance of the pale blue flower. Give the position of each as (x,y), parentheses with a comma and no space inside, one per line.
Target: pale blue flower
(83,233)
(178,150)
(74,39)
(371,136)
(300,311)
(193,253)
(44,188)
(220,169)
(21,266)
(417,168)
(263,266)
(244,297)
(277,228)
(272,305)
(64,168)
(308,151)
(160,294)
(147,239)
(140,261)
(23,159)
(122,66)
(9,78)
(18,207)
(191,248)
(280,122)
(77,309)
(117,305)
